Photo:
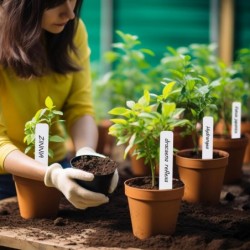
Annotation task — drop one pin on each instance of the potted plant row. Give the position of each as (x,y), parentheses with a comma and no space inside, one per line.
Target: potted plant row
(230,87)
(203,178)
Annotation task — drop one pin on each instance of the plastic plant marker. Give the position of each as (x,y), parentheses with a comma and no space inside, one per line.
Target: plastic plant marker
(236,120)
(166,160)
(42,143)
(207,135)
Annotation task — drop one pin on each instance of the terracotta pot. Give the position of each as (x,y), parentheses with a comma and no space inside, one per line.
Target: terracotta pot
(182,142)
(236,149)
(105,141)
(245,129)
(153,212)
(203,179)
(35,200)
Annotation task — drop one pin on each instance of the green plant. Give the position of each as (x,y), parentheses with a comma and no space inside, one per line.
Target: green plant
(47,115)
(241,65)
(192,92)
(228,90)
(140,123)
(128,73)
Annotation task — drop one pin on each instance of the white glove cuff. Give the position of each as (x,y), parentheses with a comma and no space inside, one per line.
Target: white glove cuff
(48,175)
(88,151)
(85,151)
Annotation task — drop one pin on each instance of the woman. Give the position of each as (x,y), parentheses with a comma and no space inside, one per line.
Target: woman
(44,52)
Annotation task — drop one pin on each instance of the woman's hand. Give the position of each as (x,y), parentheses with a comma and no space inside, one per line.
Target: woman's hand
(64,180)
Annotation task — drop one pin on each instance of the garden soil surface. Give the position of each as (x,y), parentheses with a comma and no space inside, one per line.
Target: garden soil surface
(224,226)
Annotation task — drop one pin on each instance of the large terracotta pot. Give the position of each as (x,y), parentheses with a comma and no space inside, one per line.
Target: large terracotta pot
(153,212)
(35,200)
(236,149)
(203,179)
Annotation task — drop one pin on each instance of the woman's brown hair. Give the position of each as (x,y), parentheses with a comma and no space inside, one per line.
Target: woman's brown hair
(22,44)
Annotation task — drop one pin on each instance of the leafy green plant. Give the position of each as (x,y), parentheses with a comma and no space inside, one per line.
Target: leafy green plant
(241,65)
(47,115)
(128,73)
(192,92)
(140,123)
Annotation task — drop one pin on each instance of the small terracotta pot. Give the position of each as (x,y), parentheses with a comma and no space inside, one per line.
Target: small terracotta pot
(105,141)
(35,200)
(138,166)
(203,179)
(153,212)
(182,142)
(236,149)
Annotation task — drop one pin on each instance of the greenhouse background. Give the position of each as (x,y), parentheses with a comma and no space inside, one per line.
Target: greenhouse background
(161,23)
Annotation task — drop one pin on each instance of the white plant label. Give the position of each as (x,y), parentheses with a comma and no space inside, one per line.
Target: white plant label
(207,137)
(42,143)
(236,120)
(166,160)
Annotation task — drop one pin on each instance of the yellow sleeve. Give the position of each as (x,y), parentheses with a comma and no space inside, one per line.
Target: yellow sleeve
(6,146)
(79,101)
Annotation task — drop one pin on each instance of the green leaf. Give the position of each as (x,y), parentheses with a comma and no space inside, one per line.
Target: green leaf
(49,103)
(118,111)
(56,138)
(167,89)
(119,121)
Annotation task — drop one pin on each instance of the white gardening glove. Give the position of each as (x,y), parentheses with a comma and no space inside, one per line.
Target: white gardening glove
(91,151)
(88,151)
(64,180)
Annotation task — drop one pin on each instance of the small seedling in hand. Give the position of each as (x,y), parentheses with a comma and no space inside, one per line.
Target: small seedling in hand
(48,115)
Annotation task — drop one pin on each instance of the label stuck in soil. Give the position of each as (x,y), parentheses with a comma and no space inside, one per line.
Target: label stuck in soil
(207,137)
(42,143)
(236,120)
(166,160)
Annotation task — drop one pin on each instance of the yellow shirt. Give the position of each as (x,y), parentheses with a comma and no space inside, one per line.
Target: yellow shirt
(20,99)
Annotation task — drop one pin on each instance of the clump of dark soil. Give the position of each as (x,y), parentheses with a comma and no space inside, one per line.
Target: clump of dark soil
(224,226)
(146,183)
(94,164)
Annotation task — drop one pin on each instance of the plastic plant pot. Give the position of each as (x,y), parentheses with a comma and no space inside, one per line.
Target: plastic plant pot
(103,169)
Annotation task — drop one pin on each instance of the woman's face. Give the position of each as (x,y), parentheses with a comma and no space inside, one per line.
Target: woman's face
(55,19)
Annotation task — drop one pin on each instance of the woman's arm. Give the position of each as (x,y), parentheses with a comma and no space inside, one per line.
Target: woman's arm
(17,163)
(84,133)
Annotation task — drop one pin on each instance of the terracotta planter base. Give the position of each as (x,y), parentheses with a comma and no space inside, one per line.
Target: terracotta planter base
(153,212)
(35,200)
(203,179)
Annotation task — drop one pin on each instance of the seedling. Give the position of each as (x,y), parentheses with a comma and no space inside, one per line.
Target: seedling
(48,115)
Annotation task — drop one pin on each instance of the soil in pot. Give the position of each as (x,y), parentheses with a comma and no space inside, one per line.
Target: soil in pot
(103,169)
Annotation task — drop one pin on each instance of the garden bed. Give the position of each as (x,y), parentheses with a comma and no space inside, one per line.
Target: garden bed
(225,226)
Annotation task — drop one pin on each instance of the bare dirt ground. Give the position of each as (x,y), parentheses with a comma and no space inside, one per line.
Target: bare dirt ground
(225,226)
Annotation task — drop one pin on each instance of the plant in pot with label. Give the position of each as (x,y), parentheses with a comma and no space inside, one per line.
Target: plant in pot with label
(229,91)
(233,85)
(36,200)
(139,124)
(241,64)
(203,178)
